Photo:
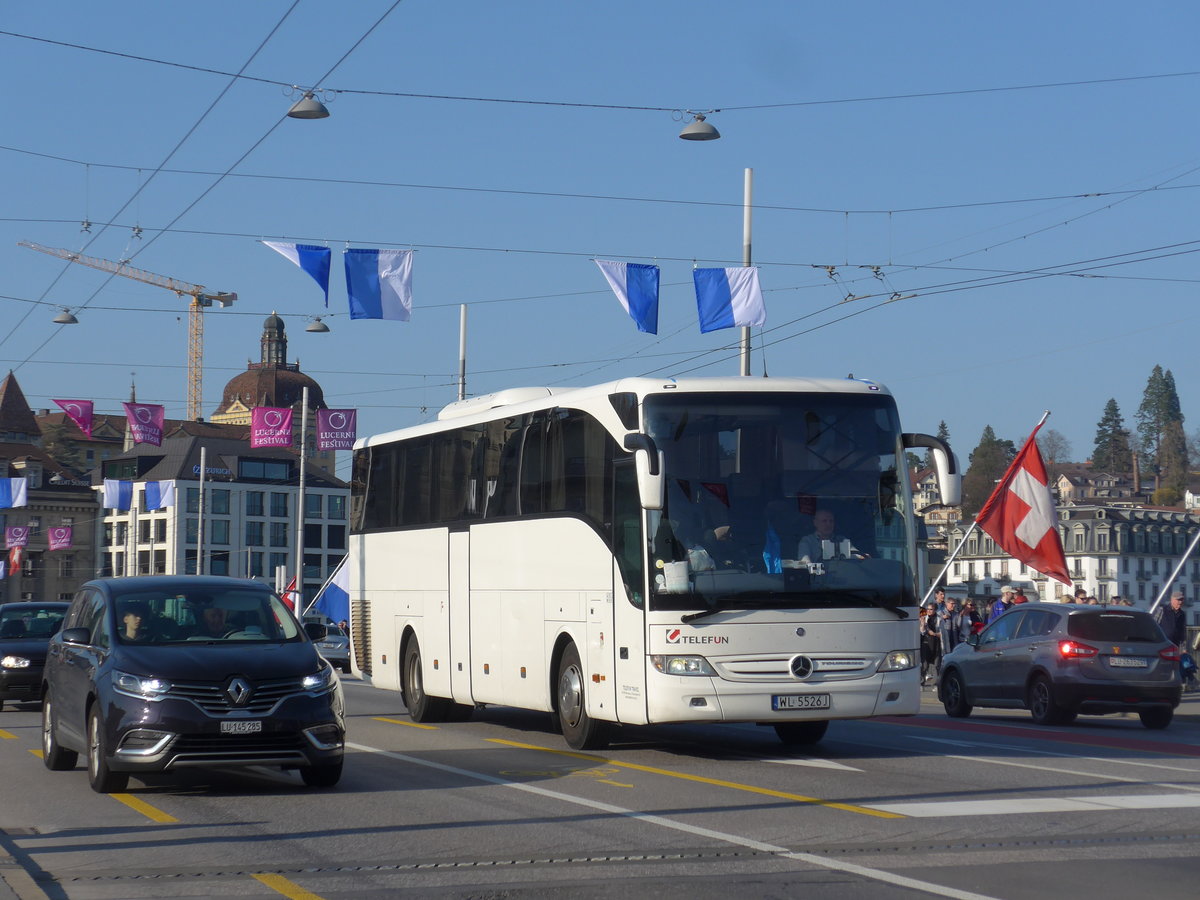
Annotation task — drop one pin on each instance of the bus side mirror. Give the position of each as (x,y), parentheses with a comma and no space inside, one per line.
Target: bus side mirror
(948,475)
(647,460)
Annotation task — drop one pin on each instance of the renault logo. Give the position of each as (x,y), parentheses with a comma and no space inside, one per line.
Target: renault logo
(238,692)
(801,667)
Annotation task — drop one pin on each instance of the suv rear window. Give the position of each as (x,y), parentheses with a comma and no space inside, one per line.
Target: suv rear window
(1114,626)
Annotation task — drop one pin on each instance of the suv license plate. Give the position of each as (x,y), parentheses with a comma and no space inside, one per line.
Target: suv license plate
(1127,662)
(241,727)
(800,701)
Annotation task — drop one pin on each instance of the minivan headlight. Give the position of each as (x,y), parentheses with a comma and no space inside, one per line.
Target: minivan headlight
(141,686)
(14,662)
(898,661)
(682,665)
(321,681)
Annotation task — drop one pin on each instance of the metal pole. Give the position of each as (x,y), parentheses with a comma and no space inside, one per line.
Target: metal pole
(746,208)
(131,557)
(462,352)
(298,599)
(949,559)
(1179,568)
(200,514)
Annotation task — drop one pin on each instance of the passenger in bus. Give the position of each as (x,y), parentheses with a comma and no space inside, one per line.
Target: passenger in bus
(812,547)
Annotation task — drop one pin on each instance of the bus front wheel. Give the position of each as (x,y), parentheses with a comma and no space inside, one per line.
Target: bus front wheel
(421,707)
(581,731)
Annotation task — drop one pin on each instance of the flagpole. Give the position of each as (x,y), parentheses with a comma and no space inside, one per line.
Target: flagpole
(1179,568)
(462,351)
(747,190)
(300,501)
(200,514)
(949,559)
(332,575)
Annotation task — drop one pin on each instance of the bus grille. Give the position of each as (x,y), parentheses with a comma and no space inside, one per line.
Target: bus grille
(778,667)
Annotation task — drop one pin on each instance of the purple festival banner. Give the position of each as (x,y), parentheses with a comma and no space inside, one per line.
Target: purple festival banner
(59,537)
(336,429)
(79,412)
(145,422)
(270,426)
(16,536)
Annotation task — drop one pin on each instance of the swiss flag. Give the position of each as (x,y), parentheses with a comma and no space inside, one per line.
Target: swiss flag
(1020,514)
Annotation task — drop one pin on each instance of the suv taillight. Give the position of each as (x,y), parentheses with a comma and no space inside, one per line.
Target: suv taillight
(1170,654)
(1076,650)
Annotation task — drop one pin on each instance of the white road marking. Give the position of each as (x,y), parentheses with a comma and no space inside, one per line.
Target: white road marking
(1193,770)
(663,822)
(807,761)
(1027,805)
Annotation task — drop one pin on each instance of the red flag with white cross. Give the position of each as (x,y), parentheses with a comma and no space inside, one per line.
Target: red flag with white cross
(1020,516)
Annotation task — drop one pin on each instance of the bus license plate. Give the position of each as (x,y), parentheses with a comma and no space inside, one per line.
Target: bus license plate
(800,701)
(241,727)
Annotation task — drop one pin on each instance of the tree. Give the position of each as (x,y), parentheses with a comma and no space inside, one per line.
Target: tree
(1174,461)
(989,460)
(1111,450)
(60,445)
(1054,446)
(1160,406)
(943,434)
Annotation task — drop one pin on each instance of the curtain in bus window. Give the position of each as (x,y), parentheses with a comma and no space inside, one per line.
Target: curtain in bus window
(452,461)
(532,452)
(502,466)
(554,474)
(381,505)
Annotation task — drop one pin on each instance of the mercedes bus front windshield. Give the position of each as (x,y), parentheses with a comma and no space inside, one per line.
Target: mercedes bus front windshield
(779,501)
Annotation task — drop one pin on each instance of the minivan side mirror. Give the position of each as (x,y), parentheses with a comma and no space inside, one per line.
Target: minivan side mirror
(77,636)
(316,631)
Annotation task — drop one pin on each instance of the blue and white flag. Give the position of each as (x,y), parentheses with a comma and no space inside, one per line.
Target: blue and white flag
(13,492)
(311,258)
(379,284)
(334,598)
(117,494)
(636,287)
(160,494)
(728,297)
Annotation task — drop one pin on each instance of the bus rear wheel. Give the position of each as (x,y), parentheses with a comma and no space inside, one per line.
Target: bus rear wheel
(421,707)
(581,731)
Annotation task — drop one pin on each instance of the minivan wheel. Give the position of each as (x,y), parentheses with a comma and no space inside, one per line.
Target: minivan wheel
(56,757)
(100,777)
(954,696)
(1041,703)
(325,775)
(1159,717)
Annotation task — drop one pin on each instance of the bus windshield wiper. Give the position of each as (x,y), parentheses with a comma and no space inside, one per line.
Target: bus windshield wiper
(874,599)
(746,601)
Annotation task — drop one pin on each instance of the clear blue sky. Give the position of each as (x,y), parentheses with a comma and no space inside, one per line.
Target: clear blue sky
(966,200)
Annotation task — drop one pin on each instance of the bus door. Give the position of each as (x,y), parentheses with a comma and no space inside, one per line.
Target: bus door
(629,595)
(459,598)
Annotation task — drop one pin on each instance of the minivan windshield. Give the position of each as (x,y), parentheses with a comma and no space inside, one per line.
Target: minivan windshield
(217,615)
(779,501)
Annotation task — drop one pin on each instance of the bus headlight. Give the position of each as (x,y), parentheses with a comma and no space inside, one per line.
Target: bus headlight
(898,661)
(682,665)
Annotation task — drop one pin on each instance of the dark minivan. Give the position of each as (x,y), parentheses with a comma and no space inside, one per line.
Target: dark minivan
(158,673)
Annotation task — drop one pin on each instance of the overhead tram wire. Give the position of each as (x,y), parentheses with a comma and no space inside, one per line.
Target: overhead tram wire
(141,187)
(236,163)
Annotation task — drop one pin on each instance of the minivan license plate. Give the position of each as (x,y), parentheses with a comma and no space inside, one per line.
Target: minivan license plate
(242,727)
(800,701)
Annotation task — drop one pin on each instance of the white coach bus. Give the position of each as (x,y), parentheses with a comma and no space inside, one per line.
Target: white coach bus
(642,552)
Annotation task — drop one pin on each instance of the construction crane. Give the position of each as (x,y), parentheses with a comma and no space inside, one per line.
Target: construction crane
(200,299)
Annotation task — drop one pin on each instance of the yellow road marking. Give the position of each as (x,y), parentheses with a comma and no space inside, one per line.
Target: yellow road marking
(37,753)
(733,785)
(139,805)
(402,722)
(286,887)
(7,735)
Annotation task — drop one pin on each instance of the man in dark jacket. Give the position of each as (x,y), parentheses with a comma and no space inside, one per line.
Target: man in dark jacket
(1173,620)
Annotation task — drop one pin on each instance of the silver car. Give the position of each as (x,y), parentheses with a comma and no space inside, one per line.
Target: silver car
(1059,660)
(335,646)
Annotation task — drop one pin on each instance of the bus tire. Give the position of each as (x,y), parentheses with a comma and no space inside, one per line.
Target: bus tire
(581,731)
(800,734)
(421,707)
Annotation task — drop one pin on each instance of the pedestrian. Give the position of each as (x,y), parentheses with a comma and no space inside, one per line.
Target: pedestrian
(949,622)
(1080,595)
(971,622)
(939,598)
(1019,595)
(931,645)
(1173,620)
(1000,607)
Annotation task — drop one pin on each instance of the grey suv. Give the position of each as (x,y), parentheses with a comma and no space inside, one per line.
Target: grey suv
(159,673)
(1059,660)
